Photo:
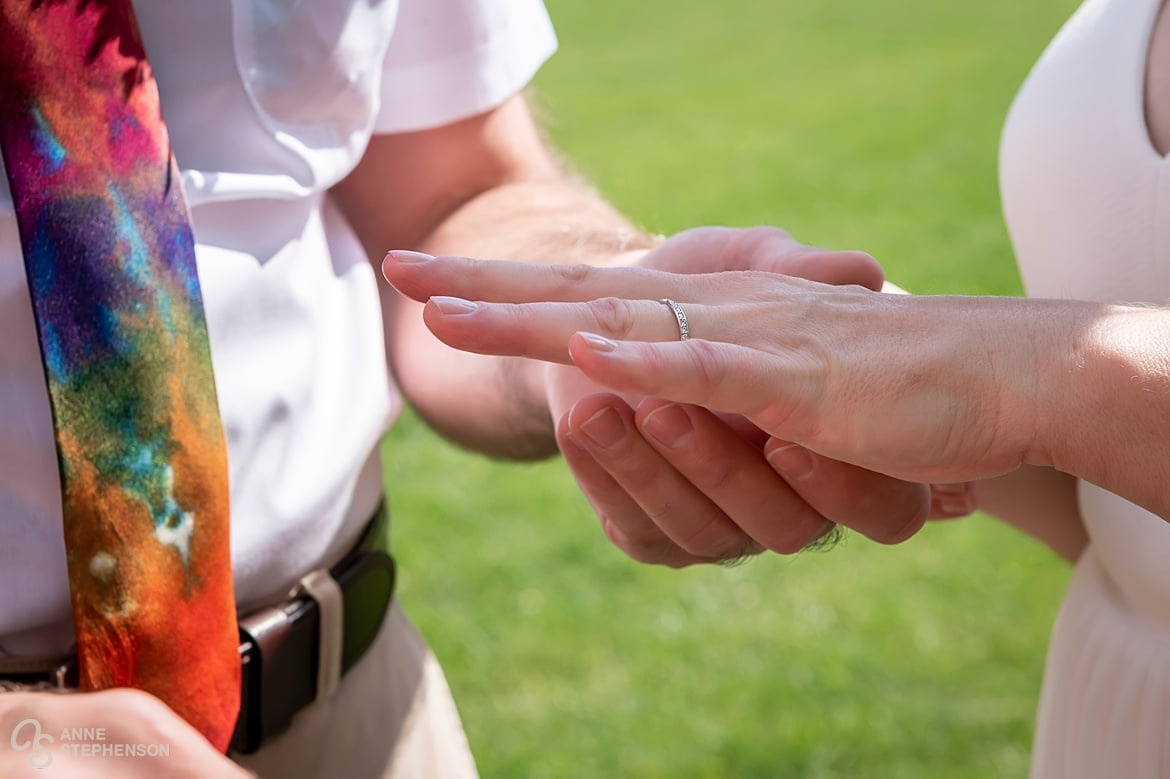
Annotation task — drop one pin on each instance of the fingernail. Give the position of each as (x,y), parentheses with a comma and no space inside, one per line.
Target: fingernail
(453,306)
(793,461)
(598,342)
(954,499)
(958,507)
(606,428)
(402,255)
(669,425)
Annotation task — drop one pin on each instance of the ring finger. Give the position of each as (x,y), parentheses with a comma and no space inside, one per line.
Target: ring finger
(542,330)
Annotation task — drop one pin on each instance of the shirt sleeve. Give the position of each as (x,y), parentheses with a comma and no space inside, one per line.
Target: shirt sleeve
(451,59)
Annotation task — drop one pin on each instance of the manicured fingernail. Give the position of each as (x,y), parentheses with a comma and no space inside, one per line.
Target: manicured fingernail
(793,461)
(598,342)
(669,425)
(453,306)
(606,428)
(402,255)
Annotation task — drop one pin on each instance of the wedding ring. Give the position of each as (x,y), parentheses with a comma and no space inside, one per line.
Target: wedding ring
(684,329)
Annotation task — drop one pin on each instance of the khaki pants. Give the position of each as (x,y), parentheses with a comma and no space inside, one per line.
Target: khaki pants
(392,717)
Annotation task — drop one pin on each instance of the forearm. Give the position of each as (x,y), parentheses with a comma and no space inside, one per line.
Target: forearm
(556,219)
(1103,400)
(498,405)
(486,186)
(1039,502)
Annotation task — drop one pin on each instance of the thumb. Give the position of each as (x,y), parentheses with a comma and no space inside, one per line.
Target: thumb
(828,267)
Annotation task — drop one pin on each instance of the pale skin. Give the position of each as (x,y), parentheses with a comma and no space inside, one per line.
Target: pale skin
(486,185)
(520,203)
(925,389)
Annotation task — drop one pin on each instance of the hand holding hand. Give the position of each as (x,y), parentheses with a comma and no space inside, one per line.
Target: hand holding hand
(675,483)
(840,370)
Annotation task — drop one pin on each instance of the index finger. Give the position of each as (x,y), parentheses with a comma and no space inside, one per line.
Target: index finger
(503,281)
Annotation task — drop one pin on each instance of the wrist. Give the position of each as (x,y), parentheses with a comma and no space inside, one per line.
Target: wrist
(530,424)
(1103,382)
(1030,351)
(1058,333)
(995,362)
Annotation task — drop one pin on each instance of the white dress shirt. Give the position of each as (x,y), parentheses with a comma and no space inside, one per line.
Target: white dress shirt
(268,103)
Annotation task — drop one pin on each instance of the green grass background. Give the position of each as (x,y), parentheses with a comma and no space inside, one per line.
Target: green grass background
(853,124)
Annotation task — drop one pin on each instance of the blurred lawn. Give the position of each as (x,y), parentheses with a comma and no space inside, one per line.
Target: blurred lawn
(853,124)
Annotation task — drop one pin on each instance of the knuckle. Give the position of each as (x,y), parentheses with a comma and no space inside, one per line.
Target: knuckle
(614,316)
(132,698)
(775,249)
(517,323)
(766,242)
(149,715)
(709,363)
(476,273)
(754,279)
(570,276)
(653,378)
(770,234)
(797,414)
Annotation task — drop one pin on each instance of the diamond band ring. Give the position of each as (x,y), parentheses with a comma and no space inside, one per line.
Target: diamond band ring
(684,330)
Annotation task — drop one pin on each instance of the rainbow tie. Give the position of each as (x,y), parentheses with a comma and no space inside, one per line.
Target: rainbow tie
(110,261)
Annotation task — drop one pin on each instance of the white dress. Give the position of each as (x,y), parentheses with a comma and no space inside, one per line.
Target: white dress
(1087,201)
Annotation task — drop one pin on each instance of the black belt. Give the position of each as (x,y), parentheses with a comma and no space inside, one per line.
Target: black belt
(279,646)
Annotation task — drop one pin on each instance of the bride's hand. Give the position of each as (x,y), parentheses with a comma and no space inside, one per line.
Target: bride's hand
(543,330)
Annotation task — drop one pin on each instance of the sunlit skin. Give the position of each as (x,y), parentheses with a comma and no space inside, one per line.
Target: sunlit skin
(885,509)
(925,389)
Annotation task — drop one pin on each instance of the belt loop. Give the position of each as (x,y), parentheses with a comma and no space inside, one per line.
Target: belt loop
(322,587)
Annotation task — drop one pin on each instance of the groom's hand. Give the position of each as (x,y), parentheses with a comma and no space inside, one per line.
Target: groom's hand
(676,484)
